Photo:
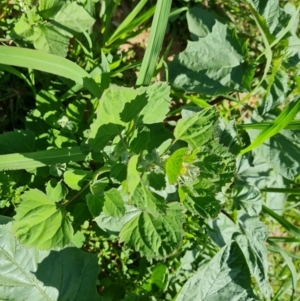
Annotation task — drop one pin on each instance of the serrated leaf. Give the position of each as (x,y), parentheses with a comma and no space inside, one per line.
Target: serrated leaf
(75,178)
(174,165)
(22,29)
(114,203)
(226,277)
(95,203)
(74,17)
(156,180)
(139,140)
(40,222)
(253,246)
(155,237)
(247,198)
(56,190)
(17,142)
(158,104)
(147,201)
(48,8)
(212,65)
(198,128)
(29,274)
(114,224)
(50,39)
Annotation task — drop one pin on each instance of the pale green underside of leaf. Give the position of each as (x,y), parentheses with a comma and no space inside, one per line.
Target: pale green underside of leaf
(226,277)
(40,222)
(213,64)
(41,158)
(29,274)
(28,58)
(155,237)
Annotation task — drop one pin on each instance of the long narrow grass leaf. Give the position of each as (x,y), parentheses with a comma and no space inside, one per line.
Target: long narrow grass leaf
(282,221)
(41,158)
(279,124)
(29,58)
(158,29)
(288,262)
(293,125)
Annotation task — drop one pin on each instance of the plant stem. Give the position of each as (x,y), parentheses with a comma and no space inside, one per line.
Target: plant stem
(282,190)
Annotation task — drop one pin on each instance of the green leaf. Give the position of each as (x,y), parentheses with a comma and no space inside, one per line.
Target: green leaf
(147,201)
(247,198)
(17,141)
(114,204)
(118,172)
(95,204)
(158,103)
(38,275)
(156,180)
(155,237)
(48,8)
(212,65)
(50,39)
(139,140)
(56,190)
(253,246)
(225,277)
(74,17)
(114,224)
(22,29)
(198,128)
(133,177)
(74,178)
(28,58)
(174,165)
(98,186)
(159,279)
(288,114)
(40,222)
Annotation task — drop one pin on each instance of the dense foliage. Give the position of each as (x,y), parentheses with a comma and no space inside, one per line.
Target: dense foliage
(149,173)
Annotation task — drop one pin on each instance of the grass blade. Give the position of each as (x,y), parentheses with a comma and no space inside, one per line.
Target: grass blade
(282,221)
(41,158)
(279,124)
(293,125)
(29,58)
(125,26)
(158,29)
(288,262)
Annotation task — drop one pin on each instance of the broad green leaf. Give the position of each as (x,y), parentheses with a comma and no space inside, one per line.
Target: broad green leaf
(98,186)
(41,158)
(50,39)
(200,22)
(156,180)
(279,124)
(56,191)
(17,141)
(158,104)
(139,140)
(75,178)
(114,224)
(133,177)
(29,274)
(247,198)
(212,65)
(40,222)
(253,246)
(159,135)
(95,204)
(28,58)
(155,237)
(175,165)
(74,17)
(118,172)
(114,203)
(159,279)
(198,128)
(48,8)
(225,277)
(147,201)
(22,29)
